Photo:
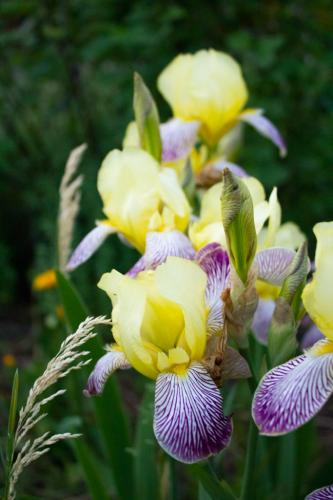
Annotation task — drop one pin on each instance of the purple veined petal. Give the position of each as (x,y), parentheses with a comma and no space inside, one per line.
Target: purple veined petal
(189,423)
(273,264)
(289,395)
(178,138)
(215,262)
(105,366)
(265,127)
(160,246)
(310,337)
(325,493)
(88,246)
(262,319)
(221,164)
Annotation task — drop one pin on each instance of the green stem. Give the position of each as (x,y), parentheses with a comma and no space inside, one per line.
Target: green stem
(249,462)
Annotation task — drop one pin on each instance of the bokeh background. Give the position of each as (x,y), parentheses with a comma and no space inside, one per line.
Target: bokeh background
(66,78)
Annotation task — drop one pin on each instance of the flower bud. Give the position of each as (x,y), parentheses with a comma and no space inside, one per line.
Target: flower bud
(147,119)
(294,283)
(238,223)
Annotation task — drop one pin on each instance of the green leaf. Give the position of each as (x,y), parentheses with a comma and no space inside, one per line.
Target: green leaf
(147,119)
(110,414)
(218,490)
(11,431)
(145,465)
(91,471)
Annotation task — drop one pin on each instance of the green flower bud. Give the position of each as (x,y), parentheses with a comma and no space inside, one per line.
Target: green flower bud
(293,285)
(147,119)
(238,223)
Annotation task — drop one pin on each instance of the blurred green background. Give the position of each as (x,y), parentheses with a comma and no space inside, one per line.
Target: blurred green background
(66,78)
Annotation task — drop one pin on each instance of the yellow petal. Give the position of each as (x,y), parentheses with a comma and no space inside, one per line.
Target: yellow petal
(129,299)
(207,86)
(184,283)
(317,295)
(131,138)
(44,280)
(290,236)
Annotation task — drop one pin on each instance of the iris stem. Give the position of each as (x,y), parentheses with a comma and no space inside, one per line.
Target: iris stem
(249,462)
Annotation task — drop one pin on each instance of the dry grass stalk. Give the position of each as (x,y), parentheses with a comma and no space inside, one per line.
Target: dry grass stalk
(69,205)
(67,359)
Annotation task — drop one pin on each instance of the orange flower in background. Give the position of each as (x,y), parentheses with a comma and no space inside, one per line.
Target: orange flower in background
(8,360)
(44,281)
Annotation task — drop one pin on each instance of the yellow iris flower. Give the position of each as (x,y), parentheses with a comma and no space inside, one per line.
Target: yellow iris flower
(160,326)
(207,86)
(317,295)
(140,196)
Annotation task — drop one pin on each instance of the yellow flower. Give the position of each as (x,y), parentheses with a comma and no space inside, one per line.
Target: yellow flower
(208,228)
(8,360)
(44,281)
(139,196)
(317,295)
(207,86)
(159,319)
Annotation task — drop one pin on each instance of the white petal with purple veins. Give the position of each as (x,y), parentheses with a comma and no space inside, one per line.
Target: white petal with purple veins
(105,366)
(160,246)
(189,423)
(273,264)
(265,127)
(220,165)
(289,395)
(215,262)
(262,319)
(325,493)
(178,138)
(88,246)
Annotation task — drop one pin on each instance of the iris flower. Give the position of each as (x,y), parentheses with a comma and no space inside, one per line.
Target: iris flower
(289,395)
(208,87)
(139,196)
(162,322)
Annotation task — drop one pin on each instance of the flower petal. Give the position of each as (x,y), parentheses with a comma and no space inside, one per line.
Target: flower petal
(310,337)
(265,127)
(291,394)
(178,138)
(160,246)
(215,262)
(88,246)
(189,423)
(325,493)
(261,320)
(273,264)
(105,366)
(221,164)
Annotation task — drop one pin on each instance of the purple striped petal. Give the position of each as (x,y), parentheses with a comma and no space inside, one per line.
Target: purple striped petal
(265,127)
(160,246)
(273,264)
(220,165)
(215,262)
(88,246)
(325,493)
(310,337)
(178,138)
(105,366)
(291,394)
(262,319)
(189,423)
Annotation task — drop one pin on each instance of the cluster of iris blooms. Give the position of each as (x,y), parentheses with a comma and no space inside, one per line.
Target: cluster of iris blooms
(217,267)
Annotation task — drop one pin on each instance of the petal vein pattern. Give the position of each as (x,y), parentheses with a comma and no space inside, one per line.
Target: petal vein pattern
(189,423)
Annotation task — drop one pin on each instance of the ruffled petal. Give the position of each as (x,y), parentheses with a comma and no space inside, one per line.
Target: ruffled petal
(215,262)
(273,264)
(262,319)
(178,138)
(325,493)
(88,246)
(189,423)
(160,246)
(265,127)
(105,366)
(291,394)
